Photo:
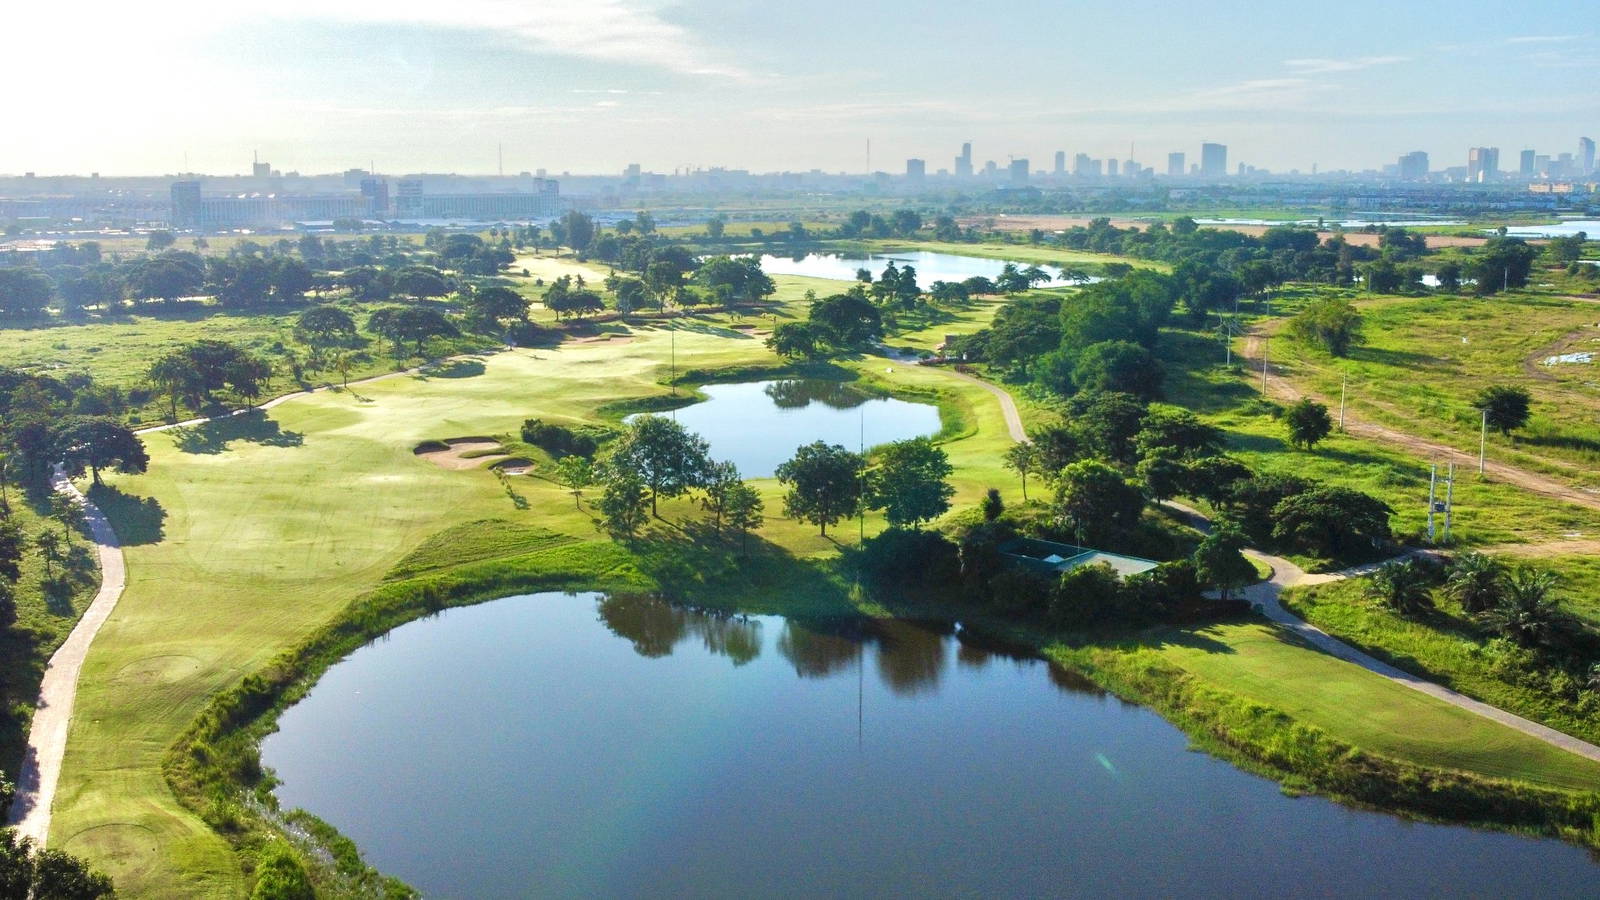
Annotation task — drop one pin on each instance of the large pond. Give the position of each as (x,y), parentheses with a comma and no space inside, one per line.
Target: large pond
(930,266)
(1564,228)
(758,425)
(580,746)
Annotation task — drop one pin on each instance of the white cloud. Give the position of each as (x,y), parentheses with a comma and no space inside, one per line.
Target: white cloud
(1543,39)
(1319,65)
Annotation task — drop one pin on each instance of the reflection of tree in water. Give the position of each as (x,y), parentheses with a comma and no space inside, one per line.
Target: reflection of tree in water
(655,627)
(1072,683)
(796,393)
(911,655)
(818,649)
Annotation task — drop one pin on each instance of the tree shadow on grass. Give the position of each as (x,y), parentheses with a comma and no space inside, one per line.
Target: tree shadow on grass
(1194,638)
(253,427)
(136,520)
(457,368)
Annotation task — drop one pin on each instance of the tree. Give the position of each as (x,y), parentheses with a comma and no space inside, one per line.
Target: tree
(325,325)
(1096,502)
(159,240)
(1404,586)
(911,484)
(743,510)
(667,458)
(498,304)
(419,324)
(1120,366)
(825,484)
(578,229)
(24,293)
(1023,458)
(1505,408)
(46,874)
(1332,522)
(622,503)
(1528,612)
(99,442)
(576,472)
(993,505)
(1177,431)
(1331,323)
(1162,474)
(1476,581)
(66,510)
(421,282)
(49,545)
(722,486)
(1308,422)
(1106,423)
(12,543)
(846,320)
(795,340)
(1503,263)
(1220,562)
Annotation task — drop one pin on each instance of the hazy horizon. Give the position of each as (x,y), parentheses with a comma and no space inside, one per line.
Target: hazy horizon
(588,87)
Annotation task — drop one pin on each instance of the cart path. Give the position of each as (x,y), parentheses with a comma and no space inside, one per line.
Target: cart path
(47,735)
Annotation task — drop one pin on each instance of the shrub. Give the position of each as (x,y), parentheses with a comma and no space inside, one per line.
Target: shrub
(905,558)
(561,440)
(1087,596)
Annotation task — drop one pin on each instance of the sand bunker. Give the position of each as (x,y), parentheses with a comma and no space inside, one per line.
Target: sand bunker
(461,453)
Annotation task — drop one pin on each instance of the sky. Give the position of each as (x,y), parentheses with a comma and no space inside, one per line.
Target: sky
(589,86)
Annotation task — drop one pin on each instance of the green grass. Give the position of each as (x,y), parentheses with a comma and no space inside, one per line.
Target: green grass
(1446,647)
(250,537)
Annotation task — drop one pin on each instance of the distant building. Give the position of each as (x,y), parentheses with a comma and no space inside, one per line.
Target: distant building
(1526,163)
(375,191)
(1413,166)
(1213,160)
(186,204)
(964,161)
(408,198)
(260,170)
(1483,163)
(1061,162)
(1085,167)
(1585,156)
(1019,171)
(1175,165)
(916,169)
(1111,168)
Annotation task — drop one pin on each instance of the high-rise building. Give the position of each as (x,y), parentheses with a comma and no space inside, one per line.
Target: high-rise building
(1525,164)
(1175,165)
(376,193)
(1414,166)
(1111,168)
(186,204)
(1585,156)
(260,170)
(1061,161)
(1213,160)
(916,169)
(1483,163)
(964,161)
(1019,171)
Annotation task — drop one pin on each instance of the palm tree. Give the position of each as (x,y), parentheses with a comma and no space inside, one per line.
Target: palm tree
(1476,581)
(1529,612)
(1404,586)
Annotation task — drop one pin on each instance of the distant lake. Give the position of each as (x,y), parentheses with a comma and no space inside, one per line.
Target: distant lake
(1328,222)
(930,266)
(589,746)
(758,425)
(1565,228)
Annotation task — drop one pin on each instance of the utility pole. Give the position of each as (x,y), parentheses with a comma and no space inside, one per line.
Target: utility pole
(861,504)
(1343,383)
(1449,495)
(1265,344)
(1483,439)
(1433,481)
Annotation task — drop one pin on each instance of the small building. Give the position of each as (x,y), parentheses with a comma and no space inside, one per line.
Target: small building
(1051,558)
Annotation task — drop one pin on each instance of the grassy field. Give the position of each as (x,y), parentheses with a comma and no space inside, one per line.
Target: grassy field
(250,534)
(1427,357)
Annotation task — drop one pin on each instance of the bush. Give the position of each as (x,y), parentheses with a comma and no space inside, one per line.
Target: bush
(281,877)
(1016,591)
(1087,596)
(559,440)
(905,558)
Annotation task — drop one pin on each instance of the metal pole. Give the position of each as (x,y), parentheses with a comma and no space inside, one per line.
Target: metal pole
(1433,480)
(1343,383)
(1483,439)
(1449,495)
(861,504)
(1265,344)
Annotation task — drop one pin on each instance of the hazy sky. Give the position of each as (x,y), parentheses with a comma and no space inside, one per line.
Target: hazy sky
(590,85)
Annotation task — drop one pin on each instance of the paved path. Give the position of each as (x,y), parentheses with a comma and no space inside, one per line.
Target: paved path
(1008,406)
(1265,597)
(47,737)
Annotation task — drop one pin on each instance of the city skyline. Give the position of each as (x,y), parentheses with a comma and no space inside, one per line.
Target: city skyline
(589,87)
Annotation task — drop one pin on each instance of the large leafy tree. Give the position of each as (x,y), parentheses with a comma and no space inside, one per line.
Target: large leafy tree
(1502,263)
(1220,562)
(912,484)
(1096,502)
(1118,366)
(1505,408)
(99,442)
(1333,522)
(322,325)
(662,454)
(1308,422)
(1332,323)
(825,483)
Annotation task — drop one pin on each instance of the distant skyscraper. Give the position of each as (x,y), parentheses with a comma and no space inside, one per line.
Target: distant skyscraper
(1483,163)
(1111,168)
(916,169)
(1525,164)
(1213,160)
(1175,165)
(1061,159)
(1585,155)
(1414,166)
(260,170)
(1019,171)
(186,204)
(964,161)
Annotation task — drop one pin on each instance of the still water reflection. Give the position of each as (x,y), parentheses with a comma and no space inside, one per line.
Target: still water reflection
(931,266)
(580,745)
